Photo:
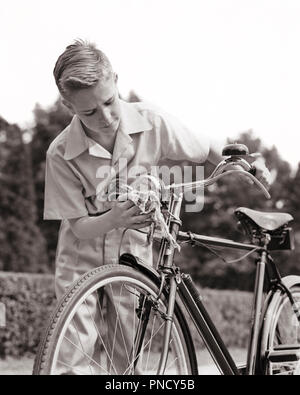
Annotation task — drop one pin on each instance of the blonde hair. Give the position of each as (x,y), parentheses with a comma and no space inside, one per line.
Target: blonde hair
(80,66)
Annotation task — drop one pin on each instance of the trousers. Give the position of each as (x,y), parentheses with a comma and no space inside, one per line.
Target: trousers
(99,338)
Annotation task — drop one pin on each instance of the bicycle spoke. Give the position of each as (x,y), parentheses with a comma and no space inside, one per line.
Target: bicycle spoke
(151,337)
(133,336)
(284,332)
(77,331)
(118,322)
(100,337)
(172,363)
(137,339)
(146,345)
(72,367)
(114,341)
(118,333)
(101,314)
(84,353)
(102,323)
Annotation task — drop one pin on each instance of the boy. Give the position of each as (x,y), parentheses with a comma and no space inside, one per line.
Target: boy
(105,133)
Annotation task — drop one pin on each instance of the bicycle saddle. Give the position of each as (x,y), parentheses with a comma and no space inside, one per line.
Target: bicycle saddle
(268,221)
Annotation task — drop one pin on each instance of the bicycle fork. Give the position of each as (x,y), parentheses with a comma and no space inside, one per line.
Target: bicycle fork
(167,271)
(147,305)
(168,326)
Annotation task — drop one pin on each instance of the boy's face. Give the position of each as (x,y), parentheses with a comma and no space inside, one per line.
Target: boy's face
(98,107)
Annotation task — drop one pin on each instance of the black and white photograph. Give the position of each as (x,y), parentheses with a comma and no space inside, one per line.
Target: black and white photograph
(150,190)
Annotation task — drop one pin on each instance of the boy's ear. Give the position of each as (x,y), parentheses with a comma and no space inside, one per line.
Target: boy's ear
(66,103)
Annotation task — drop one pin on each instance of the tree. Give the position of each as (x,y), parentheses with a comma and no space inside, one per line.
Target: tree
(217,219)
(49,123)
(292,201)
(133,97)
(22,246)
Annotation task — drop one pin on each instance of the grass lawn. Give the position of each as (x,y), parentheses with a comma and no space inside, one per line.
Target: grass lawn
(206,365)
(14,366)
(23,366)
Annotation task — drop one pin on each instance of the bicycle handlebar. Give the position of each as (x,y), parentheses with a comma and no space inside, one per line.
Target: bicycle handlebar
(222,169)
(140,199)
(220,172)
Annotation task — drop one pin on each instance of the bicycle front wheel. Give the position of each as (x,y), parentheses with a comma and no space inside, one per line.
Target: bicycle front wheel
(109,322)
(283,333)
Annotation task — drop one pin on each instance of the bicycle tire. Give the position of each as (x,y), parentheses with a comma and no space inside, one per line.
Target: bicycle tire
(281,329)
(111,277)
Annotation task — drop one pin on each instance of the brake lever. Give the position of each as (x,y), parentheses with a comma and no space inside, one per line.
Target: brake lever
(255,180)
(248,171)
(227,163)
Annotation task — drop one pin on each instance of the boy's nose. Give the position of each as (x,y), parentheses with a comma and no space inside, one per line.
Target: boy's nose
(106,117)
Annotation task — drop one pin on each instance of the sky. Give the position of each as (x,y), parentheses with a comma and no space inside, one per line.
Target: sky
(220,66)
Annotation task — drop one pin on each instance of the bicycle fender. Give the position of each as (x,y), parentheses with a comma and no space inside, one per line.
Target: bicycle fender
(274,296)
(271,304)
(137,263)
(290,281)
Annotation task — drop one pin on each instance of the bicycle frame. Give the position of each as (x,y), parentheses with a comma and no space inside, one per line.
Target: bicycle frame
(215,343)
(188,293)
(192,299)
(207,330)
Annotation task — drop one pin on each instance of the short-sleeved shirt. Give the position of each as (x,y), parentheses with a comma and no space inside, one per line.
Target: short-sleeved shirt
(79,170)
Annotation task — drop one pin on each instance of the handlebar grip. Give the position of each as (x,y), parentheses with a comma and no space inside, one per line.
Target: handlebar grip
(259,184)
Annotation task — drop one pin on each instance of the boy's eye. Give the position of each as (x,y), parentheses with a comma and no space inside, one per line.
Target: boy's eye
(87,114)
(110,101)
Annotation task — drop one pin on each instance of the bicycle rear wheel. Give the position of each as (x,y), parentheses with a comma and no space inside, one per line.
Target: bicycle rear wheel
(282,335)
(99,328)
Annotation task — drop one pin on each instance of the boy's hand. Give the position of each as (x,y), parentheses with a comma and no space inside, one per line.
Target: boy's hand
(127,215)
(262,173)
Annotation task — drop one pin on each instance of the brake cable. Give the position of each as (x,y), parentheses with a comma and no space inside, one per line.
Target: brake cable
(196,242)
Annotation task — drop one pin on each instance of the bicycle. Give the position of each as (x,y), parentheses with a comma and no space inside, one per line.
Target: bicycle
(154,337)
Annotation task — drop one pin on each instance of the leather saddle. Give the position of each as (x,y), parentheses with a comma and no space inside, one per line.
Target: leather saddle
(264,220)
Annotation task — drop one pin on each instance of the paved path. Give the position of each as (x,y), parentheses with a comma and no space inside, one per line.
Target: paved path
(11,366)
(23,366)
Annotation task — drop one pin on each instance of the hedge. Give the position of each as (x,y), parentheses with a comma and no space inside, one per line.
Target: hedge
(29,300)
(231,314)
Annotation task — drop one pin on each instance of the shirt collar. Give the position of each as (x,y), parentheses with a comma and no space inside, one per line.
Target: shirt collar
(131,122)
(97,150)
